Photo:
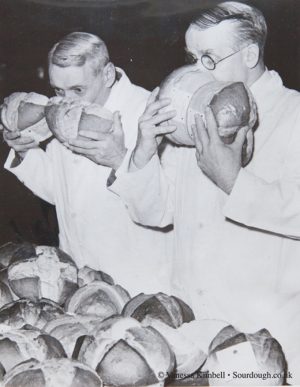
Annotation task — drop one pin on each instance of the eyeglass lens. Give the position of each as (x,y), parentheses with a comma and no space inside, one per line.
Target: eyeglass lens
(208,62)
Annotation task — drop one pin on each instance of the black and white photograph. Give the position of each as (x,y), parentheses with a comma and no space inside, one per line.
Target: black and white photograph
(149,193)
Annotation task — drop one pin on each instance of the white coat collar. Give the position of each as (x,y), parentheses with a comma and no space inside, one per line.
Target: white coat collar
(265,90)
(118,96)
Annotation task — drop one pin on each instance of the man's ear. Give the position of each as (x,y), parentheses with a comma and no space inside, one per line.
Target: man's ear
(109,73)
(251,55)
(248,148)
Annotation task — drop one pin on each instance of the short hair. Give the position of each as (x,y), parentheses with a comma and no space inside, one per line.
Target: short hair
(76,48)
(251,22)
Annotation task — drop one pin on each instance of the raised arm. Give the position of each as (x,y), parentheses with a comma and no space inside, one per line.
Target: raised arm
(30,164)
(142,183)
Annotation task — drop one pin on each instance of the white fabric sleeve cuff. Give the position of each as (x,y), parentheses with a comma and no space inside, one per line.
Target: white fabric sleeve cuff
(35,172)
(124,167)
(126,180)
(147,204)
(20,168)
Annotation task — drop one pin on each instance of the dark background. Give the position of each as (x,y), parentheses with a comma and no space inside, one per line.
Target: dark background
(144,37)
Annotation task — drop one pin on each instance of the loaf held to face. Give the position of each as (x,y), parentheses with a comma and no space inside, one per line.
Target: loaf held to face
(25,112)
(191,91)
(66,118)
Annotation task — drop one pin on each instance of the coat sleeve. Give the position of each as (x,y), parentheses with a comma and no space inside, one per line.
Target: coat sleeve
(148,193)
(270,206)
(35,172)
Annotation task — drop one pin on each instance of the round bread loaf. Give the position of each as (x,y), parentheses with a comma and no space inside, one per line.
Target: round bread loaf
(98,298)
(124,353)
(18,345)
(232,351)
(25,112)
(52,373)
(66,118)
(168,309)
(42,271)
(18,313)
(192,90)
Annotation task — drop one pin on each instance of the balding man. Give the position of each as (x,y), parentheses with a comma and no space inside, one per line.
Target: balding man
(94,227)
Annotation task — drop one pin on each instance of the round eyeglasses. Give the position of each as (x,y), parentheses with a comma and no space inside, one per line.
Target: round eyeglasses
(207,61)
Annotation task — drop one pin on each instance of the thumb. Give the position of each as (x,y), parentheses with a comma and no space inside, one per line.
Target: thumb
(153,96)
(240,137)
(211,125)
(117,124)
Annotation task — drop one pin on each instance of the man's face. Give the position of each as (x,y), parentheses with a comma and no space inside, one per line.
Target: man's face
(218,42)
(78,82)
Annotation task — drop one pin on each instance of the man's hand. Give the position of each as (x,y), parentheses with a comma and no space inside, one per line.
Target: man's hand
(220,162)
(150,133)
(104,149)
(21,145)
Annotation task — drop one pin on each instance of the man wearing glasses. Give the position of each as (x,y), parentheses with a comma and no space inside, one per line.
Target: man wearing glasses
(248,276)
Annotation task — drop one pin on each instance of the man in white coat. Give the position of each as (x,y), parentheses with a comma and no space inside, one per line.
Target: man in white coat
(222,268)
(94,226)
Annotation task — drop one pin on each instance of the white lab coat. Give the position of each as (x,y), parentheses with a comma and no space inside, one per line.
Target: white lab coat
(94,226)
(224,269)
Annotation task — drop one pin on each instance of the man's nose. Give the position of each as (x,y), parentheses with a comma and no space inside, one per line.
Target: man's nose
(69,94)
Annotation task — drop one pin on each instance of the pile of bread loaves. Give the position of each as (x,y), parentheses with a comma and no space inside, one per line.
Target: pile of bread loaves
(64,326)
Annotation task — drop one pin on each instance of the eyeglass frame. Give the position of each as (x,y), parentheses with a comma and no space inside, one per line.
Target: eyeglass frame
(214,63)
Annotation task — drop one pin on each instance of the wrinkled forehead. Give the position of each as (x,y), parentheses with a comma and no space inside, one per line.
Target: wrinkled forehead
(215,38)
(70,75)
